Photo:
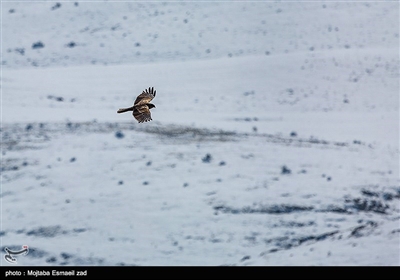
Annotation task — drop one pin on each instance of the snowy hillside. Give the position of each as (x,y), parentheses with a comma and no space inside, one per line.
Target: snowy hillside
(274,141)
(69,33)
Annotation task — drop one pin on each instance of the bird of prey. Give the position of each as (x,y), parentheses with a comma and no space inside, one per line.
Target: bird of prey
(141,107)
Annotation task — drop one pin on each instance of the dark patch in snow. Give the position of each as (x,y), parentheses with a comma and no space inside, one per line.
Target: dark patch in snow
(367,205)
(175,133)
(56,98)
(360,230)
(71,44)
(51,260)
(246,119)
(369,193)
(65,256)
(119,134)
(47,232)
(207,158)
(287,242)
(285,170)
(247,93)
(37,45)
(36,253)
(21,51)
(79,230)
(52,231)
(56,6)
(371,201)
(262,209)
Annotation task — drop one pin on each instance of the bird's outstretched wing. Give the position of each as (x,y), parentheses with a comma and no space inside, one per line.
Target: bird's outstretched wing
(145,97)
(142,113)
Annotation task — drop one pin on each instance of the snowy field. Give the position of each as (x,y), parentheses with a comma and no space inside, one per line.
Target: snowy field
(274,141)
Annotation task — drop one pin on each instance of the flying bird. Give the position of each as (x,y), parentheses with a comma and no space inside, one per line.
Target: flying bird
(141,107)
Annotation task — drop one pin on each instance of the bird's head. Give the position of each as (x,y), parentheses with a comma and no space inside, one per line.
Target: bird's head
(151,105)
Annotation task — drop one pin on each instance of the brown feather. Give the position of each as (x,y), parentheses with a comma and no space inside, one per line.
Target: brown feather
(146,96)
(141,113)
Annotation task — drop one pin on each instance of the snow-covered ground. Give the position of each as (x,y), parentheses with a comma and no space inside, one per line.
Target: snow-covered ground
(274,141)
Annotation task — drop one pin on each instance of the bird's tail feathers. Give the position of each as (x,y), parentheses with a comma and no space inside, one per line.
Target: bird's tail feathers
(123,110)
